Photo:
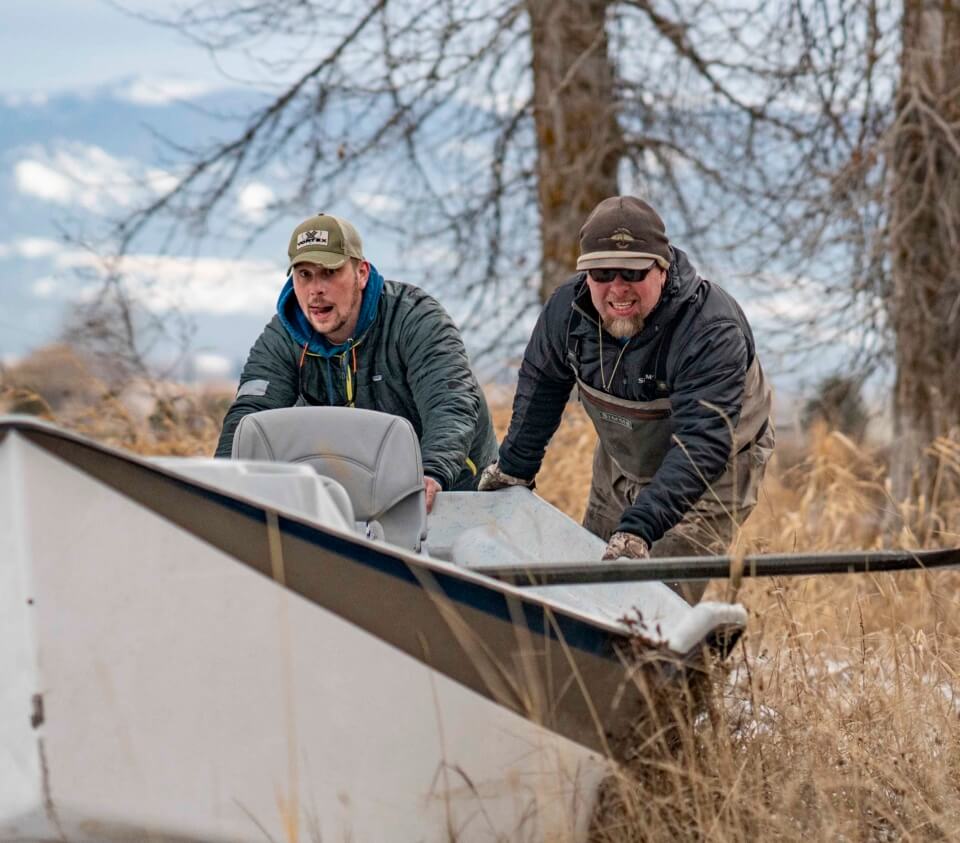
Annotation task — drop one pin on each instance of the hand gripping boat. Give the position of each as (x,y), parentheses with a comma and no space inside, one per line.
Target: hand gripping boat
(283,647)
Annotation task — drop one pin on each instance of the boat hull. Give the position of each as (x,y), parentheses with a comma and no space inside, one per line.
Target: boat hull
(156,689)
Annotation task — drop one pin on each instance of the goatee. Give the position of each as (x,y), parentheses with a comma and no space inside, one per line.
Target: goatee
(623,327)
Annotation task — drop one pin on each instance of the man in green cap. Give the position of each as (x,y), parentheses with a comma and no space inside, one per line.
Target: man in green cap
(666,367)
(345,336)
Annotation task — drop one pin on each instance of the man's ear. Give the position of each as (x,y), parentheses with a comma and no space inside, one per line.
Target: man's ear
(363,273)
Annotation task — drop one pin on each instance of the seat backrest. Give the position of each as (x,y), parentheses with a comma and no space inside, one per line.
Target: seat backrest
(375,456)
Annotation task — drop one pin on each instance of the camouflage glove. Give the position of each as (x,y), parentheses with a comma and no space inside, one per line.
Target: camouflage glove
(626,546)
(492,478)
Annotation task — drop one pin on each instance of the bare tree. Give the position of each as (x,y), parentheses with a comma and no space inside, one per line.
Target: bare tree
(424,102)
(814,143)
(924,239)
(499,123)
(579,138)
(869,202)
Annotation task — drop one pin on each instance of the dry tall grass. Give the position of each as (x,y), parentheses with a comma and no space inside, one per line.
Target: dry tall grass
(152,419)
(838,716)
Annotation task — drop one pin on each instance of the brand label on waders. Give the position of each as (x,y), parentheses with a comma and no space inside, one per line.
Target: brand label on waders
(615,419)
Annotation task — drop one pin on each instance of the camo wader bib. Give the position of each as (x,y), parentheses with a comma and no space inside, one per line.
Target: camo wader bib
(634,437)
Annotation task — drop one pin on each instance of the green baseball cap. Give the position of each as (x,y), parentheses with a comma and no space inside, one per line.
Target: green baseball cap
(325,240)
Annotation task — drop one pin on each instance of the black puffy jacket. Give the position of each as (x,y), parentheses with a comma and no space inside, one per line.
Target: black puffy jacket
(695,348)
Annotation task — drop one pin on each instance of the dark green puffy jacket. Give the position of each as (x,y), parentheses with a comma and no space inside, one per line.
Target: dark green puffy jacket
(410,362)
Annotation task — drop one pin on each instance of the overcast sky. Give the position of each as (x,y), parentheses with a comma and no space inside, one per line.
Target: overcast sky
(59,45)
(76,159)
(83,87)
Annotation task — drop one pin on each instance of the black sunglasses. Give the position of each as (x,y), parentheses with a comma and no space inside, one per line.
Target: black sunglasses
(631,276)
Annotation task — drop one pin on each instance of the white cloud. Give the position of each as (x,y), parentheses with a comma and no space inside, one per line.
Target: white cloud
(37,247)
(152,92)
(789,304)
(37,179)
(34,248)
(377,203)
(47,287)
(25,98)
(87,176)
(501,103)
(30,248)
(209,365)
(254,200)
(437,256)
(191,285)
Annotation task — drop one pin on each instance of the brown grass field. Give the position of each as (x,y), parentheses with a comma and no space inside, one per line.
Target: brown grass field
(838,715)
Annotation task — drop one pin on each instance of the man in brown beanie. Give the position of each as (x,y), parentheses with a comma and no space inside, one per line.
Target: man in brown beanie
(666,367)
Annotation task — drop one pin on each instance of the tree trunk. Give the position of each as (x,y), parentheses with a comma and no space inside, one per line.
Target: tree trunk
(924,305)
(579,141)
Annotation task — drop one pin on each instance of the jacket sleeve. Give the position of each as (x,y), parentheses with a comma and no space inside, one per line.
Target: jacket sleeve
(268,381)
(707,398)
(543,388)
(444,389)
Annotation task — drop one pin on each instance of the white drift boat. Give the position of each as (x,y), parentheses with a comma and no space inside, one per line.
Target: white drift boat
(212,650)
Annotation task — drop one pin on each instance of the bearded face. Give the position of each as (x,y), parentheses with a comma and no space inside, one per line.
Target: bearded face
(623,306)
(622,327)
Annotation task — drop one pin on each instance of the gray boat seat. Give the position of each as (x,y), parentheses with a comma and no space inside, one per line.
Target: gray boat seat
(374,456)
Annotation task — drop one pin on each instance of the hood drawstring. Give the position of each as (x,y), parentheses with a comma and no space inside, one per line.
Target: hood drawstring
(301,398)
(351,371)
(352,365)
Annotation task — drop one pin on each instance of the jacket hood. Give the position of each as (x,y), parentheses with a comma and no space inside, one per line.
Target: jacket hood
(682,278)
(682,283)
(295,321)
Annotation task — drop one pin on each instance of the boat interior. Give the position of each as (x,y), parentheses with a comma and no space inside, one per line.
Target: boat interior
(360,471)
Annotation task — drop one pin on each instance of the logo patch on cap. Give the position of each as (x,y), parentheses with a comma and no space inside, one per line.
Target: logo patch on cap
(622,238)
(314,237)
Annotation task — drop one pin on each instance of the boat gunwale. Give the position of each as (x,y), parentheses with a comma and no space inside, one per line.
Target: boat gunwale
(345,543)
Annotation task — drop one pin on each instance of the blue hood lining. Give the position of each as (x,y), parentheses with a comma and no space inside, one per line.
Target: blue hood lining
(298,326)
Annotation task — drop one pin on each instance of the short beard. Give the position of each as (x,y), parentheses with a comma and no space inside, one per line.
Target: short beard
(355,302)
(357,297)
(623,327)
